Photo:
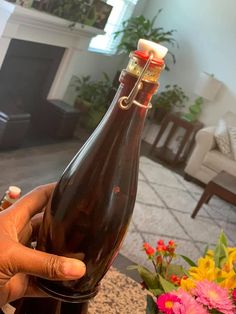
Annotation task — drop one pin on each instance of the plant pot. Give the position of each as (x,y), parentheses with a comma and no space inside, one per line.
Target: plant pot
(82,105)
(93,118)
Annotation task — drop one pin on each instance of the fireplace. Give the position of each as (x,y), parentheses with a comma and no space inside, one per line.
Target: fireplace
(27,74)
(38,55)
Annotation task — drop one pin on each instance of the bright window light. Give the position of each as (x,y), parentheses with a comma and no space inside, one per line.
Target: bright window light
(121,11)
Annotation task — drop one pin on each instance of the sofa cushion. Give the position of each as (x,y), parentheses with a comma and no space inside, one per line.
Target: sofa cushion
(222,138)
(216,161)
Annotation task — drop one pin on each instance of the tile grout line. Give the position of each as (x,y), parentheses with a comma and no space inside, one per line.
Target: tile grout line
(177,210)
(173,215)
(139,231)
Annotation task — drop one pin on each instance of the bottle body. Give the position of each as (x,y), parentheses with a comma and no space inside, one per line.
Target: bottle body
(93,202)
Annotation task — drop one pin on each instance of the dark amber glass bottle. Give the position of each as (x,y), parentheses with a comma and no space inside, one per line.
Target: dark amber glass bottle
(92,204)
(91,207)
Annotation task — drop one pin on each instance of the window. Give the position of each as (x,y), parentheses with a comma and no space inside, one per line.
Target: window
(122,10)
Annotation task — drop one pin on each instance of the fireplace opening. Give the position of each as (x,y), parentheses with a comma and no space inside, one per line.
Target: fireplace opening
(26,76)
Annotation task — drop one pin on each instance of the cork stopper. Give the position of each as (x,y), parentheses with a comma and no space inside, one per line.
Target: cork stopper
(147,46)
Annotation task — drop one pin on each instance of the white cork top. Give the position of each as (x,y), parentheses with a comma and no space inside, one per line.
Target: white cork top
(14,191)
(159,51)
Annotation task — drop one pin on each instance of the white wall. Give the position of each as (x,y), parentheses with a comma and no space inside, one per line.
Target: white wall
(206,34)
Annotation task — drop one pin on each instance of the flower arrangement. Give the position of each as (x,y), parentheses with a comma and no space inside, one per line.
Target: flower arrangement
(207,286)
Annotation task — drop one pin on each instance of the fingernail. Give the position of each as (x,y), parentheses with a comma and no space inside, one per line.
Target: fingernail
(73,268)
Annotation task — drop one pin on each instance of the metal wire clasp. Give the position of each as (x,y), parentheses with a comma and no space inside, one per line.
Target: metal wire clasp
(126,102)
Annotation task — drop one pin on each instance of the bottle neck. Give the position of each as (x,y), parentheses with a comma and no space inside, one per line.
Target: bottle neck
(126,124)
(142,74)
(140,105)
(143,93)
(140,60)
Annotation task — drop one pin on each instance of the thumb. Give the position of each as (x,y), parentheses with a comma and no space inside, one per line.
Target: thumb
(49,266)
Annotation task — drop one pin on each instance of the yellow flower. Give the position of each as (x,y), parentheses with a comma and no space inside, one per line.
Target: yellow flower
(231,260)
(229,281)
(187,284)
(210,253)
(205,270)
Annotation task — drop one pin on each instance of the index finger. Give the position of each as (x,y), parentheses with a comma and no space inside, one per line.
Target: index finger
(31,204)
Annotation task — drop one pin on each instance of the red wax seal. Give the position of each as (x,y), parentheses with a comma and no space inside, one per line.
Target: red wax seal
(144,55)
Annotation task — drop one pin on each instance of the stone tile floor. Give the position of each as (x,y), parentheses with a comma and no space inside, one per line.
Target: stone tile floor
(164,204)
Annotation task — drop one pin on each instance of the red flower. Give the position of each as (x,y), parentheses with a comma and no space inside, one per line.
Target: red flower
(160,242)
(161,248)
(148,249)
(171,247)
(234,295)
(165,303)
(175,279)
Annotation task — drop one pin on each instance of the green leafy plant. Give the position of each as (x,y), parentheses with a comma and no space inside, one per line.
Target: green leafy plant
(194,110)
(93,98)
(140,27)
(172,97)
(72,10)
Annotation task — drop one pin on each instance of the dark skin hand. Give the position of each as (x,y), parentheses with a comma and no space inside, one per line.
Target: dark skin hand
(18,263)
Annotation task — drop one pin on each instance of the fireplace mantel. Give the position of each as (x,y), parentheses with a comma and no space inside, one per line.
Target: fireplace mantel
(36,26)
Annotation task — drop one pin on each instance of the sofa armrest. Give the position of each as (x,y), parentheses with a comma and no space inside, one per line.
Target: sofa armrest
(205,137)
(205,141)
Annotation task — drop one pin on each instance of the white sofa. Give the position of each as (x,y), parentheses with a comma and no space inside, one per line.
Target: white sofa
(206,160)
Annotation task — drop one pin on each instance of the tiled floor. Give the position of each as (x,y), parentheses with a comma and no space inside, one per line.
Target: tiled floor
(163,207)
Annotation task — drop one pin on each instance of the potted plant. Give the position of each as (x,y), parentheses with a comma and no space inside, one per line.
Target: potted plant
(93,99)
(72,10)
(169,99)
(140,27)
(194,110)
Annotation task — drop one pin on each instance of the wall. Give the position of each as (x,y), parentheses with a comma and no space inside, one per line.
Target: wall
(206,33)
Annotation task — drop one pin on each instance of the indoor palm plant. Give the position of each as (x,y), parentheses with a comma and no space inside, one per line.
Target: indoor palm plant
(140,27)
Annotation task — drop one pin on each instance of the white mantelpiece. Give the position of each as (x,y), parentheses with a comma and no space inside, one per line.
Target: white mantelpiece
(32,25)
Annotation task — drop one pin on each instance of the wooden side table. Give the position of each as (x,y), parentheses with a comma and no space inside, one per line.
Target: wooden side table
(223,185)
(186,143)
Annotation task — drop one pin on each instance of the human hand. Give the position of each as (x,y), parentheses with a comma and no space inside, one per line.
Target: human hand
(17,262)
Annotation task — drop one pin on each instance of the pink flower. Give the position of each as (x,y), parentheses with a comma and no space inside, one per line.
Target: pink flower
(165,302)
(188,304)
(213,296)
